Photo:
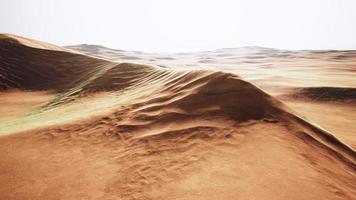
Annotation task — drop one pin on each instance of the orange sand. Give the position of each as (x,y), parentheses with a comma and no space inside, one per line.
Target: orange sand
(134,131)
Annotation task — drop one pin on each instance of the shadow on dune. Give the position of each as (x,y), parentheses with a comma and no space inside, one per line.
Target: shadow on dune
(325,93)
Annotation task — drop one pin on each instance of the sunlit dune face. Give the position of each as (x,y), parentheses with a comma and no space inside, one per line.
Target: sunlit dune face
(17,103)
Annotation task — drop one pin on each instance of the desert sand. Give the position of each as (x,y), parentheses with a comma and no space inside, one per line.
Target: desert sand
(318,85)
(89,122)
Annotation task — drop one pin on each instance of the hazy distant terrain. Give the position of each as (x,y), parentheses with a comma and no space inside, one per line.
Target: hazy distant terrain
(89,122)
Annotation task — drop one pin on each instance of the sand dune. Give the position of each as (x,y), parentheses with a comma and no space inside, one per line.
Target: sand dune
(139,131)
(314,78)
(10,39)
(32,68)
(325,93)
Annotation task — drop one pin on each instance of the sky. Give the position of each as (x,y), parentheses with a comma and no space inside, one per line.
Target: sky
(184,25)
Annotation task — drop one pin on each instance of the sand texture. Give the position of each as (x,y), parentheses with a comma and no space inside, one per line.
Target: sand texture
(111,124)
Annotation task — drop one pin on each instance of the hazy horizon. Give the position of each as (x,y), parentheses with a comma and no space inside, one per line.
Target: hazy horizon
(185,26)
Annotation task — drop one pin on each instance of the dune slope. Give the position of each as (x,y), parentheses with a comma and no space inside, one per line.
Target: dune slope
(130,131)
(35,68)
(316,79)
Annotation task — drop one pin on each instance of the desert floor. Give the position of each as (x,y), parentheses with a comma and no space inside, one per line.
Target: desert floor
(89,122)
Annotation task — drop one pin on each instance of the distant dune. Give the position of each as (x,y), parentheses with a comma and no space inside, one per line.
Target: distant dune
(325,93)
(104,129)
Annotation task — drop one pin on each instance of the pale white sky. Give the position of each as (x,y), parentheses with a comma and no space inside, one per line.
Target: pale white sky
(184,25)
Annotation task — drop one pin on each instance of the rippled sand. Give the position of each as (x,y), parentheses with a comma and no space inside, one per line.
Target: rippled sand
(225,124)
